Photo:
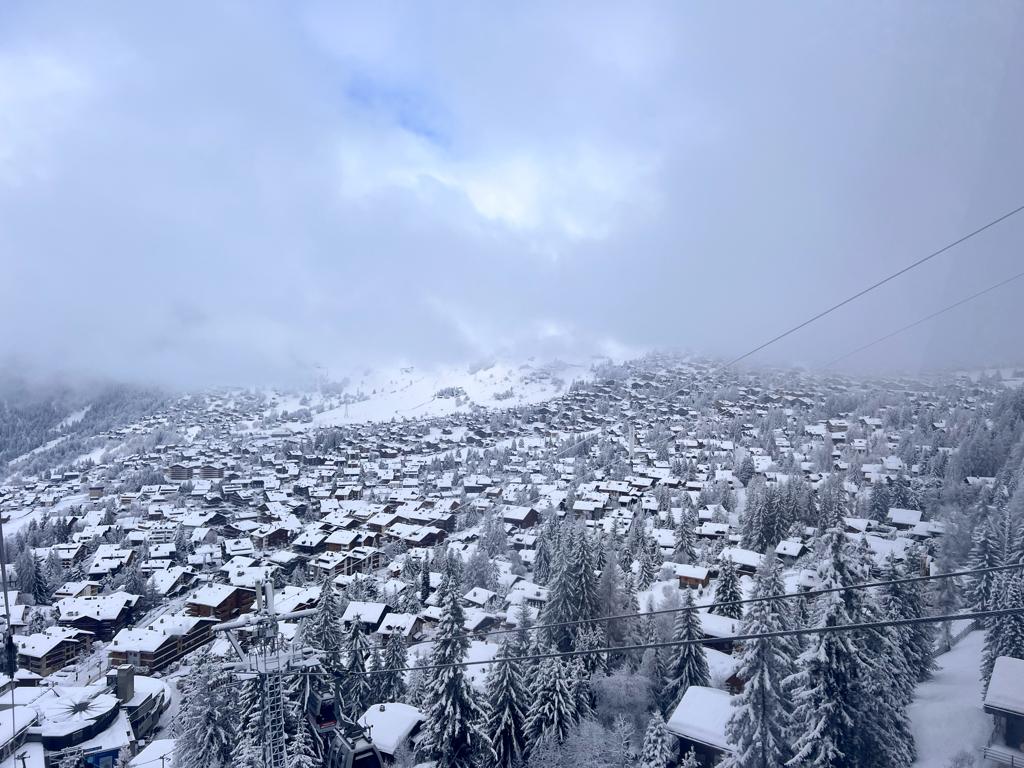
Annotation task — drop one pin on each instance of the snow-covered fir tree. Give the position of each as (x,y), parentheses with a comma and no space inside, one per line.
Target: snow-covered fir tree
(878,504)
(828,686)
(204,729)
(507,699)
(658,750)
(688,664)
(323,630)
(683,535)
(553,707)
(727,590)
(543,559)
(452,734)
(1005,634)
(303,752)
(355,685)
(562,606)
(391,682)
(247,751)
(582,577)
(760,726)
(424,579)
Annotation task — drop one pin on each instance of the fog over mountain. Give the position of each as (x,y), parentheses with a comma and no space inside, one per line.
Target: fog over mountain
(220,193)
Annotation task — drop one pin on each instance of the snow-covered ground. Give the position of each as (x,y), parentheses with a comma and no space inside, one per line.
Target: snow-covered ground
(411,392)
(73,418)
(946,716)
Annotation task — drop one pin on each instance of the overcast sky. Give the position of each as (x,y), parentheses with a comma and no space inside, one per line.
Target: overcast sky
(211,193)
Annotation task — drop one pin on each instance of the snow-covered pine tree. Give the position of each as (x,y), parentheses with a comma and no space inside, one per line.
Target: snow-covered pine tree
(247,751)
(424,579)
(542,559)
(582,692)
(651,560)
(375,663)
(828,685)
(658,750)
(417,684)
(583,578)
(727,590)
(891,606)
(356,687)
(451,730)
(653,666)
(562,606)
(887,681)
(918,640)
(984,555)
(688,664)
(203,727)
(303,752)
(553,711)
(31,579)
(591,639)
(745,471)
(690,760)
(323,630)
(878,504)
(631,629)
(507,696)
(1005,635)
(764,523)
(391,683)
(946,598)
(683,537)
(885,737)
(759,727)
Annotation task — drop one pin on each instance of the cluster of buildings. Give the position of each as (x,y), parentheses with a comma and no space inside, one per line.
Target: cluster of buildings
(242,495)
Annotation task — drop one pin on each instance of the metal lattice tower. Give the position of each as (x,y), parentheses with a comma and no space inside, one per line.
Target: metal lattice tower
(272,664)
(268,660)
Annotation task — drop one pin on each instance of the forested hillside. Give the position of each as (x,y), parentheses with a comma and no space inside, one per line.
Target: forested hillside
(42,424)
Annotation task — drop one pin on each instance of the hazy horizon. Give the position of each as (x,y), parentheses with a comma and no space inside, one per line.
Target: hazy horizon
(234,194)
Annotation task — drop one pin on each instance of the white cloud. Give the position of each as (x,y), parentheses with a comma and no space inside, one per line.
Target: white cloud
(40,93)
(575,194)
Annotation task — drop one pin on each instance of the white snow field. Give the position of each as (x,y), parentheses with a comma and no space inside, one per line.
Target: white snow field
(946,716)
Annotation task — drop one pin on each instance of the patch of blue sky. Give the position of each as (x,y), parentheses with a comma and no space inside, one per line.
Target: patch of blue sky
(411,109)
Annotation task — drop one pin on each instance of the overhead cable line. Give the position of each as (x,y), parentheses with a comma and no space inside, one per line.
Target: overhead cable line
(744,601)
(925,319)
(827,629)
(875,285)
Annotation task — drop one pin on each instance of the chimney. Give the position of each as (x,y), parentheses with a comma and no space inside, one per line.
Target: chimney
(125,683)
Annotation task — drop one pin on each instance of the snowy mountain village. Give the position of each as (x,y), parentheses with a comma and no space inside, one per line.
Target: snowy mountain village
(661,563)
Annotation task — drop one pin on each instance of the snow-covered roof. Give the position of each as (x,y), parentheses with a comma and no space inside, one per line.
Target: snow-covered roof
(789,548)
(367,613)
(1006,688)
(713,625)
(212,595)
(41,643)
(701,716)
(99,607)
(698,572)
(904,516)
(747,557)
(390,724)
(153,752)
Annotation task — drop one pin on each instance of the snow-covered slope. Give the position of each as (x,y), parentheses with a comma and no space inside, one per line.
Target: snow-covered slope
(383,394)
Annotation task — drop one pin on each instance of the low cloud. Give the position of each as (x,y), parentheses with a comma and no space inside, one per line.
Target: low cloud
(221,193)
